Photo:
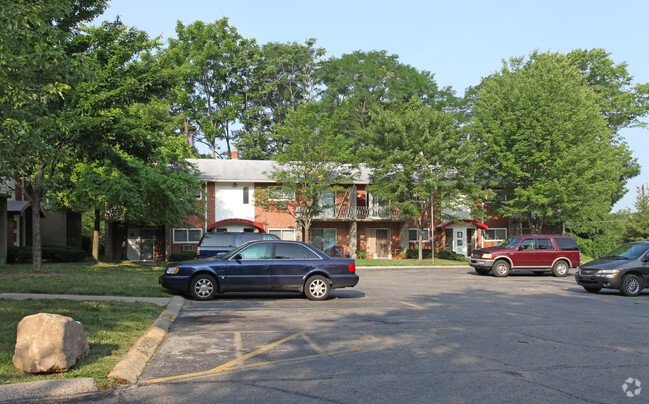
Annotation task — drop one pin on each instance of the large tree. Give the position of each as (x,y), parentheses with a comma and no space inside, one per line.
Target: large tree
(316,159)
(418,154)
(39,67)
(637,227)
(213,61)
(545,144)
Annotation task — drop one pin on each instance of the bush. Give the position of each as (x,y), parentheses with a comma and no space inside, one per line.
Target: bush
(413,253)
(23,255)
(450,255)
(183,256)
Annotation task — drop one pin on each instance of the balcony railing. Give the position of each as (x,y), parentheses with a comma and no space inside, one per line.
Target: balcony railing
(357,213)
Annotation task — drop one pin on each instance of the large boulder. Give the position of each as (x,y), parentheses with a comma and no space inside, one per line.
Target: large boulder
(49,343)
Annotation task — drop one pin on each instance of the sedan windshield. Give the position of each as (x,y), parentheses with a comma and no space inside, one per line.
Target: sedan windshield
(628,251)
(510,242)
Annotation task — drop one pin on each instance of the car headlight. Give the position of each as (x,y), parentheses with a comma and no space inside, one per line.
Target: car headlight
(172,270)
(608,272)
(487,256)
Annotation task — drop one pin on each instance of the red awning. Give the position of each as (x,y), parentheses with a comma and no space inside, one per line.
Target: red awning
(245,221)
(474,222)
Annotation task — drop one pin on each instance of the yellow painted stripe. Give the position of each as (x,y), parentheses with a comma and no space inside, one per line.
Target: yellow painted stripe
(413,305)
(226,366)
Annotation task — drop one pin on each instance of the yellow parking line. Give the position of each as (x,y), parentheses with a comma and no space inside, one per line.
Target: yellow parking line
(413,305)
(226,366)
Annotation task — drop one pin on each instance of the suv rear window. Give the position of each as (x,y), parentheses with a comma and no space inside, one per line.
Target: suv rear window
(219,240)
(567,244)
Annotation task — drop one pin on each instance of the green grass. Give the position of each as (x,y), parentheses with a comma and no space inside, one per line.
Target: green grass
(105,279)
(407,263)
(111,329)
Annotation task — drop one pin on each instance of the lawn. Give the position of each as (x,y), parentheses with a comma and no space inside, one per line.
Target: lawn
(105,279)
(408,263)
(111,329)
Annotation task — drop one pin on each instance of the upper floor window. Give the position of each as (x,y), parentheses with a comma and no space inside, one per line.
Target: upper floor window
(246,195)
(280,194)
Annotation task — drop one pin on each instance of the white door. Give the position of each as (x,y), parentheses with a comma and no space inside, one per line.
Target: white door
(460,240)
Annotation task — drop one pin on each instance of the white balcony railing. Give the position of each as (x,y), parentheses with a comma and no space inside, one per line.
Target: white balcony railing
(357,213)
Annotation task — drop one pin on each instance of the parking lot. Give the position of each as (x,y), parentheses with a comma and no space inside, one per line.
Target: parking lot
(407,335)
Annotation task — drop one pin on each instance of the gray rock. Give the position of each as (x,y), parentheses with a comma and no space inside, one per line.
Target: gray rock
(49,343)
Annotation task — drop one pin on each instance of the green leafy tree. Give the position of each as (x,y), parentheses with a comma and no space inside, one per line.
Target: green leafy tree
(637,227)
(599,233)
(545,144)
(284,76)
(360,81)
(213,61)
(314,160)
(418,154)
(39,67)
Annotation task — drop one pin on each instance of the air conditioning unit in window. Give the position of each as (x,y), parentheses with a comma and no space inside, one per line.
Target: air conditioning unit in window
(188,248)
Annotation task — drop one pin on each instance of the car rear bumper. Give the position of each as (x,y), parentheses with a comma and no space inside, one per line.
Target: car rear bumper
(344,281)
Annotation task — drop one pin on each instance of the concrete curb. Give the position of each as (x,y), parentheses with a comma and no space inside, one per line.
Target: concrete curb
(130,368)
(52,389)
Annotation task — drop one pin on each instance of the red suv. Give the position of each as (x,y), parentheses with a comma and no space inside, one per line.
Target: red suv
(533,253)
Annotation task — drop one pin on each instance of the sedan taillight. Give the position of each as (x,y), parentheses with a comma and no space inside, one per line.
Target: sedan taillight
(352,268)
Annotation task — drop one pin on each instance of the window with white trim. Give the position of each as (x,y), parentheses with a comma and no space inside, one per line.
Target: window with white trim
(280,194)
(284,234)
(187,236)
(413,235)
(495,234)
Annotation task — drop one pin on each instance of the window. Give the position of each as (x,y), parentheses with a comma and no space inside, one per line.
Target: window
(187,235)
(527,244)
(323,239)
(283,234)
(246,195)
(413,235)
(280,194)
(495,234)
(259,251)
(544,244)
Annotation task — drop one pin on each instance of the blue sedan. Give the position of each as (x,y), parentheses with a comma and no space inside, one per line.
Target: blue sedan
(263,266)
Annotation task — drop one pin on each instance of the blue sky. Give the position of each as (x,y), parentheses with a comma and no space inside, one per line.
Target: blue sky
(458,41)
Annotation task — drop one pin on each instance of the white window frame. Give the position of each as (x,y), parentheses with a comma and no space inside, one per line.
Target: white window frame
(187,230)
(494,229)
(281,233)
(279,194)
(426,234)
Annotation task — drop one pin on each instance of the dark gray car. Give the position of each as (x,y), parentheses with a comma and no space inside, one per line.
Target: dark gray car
(625,268)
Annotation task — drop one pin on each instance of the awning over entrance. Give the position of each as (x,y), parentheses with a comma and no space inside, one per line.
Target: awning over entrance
(20,207)
(444,225)
(245,221)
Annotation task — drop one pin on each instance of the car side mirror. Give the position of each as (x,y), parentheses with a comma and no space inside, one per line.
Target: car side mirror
(238,257)
(645,258)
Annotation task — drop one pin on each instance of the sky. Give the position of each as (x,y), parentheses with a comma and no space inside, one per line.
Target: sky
(459,41)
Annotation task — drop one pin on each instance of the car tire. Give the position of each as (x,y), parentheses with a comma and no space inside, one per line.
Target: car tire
(482,271)
(560,268)
(500,268)
(631,285)
(203,287)
(317,287)
(592,289)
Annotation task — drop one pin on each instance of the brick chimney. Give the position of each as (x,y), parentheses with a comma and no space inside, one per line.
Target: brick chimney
(234,155)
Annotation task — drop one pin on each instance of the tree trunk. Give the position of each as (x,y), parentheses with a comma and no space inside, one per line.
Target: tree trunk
(95,236)
(420,240)
(37,254)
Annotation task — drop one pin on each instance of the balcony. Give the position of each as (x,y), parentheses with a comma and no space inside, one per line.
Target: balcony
(357,213)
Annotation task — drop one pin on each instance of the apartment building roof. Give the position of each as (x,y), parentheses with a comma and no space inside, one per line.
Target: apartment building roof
(235,170)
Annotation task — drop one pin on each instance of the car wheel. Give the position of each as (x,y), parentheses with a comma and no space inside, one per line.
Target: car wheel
(482,271)
(317,287)
(592,289)
(560,268)
(500,268)
(203,287)
(631,285)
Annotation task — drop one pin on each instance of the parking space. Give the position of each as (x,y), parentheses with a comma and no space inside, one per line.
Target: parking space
(408,334)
